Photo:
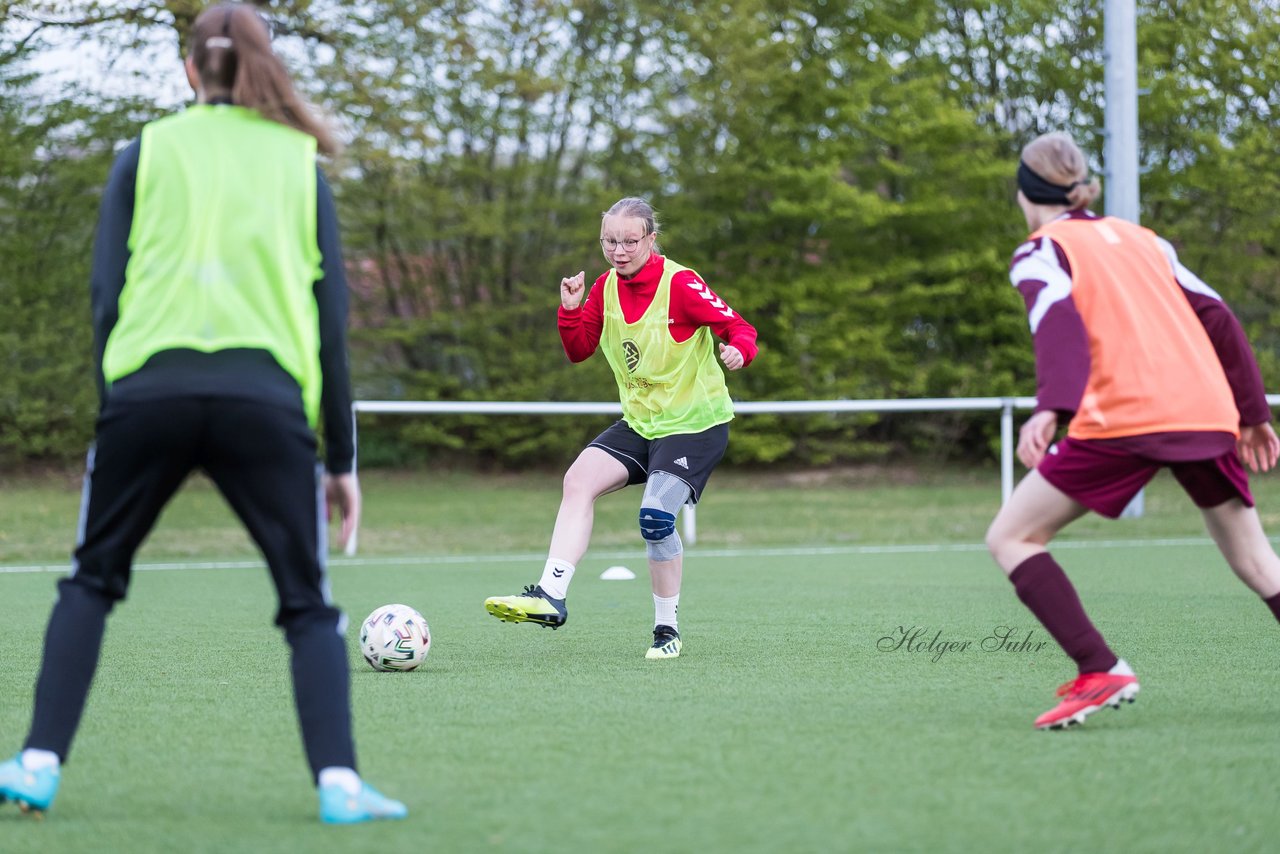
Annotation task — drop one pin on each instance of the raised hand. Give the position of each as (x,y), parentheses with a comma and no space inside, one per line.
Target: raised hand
(572,290)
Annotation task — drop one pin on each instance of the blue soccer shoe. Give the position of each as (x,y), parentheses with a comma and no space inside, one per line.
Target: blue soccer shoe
(30,790)
(338,806)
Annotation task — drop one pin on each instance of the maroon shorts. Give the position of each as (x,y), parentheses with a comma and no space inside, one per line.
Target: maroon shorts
(1106,479)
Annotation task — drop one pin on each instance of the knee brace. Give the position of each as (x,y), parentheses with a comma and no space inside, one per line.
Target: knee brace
(664,495)
(661,540)
(656,524)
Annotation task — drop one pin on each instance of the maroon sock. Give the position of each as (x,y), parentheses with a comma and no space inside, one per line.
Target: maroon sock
(1274,604)
(1044,588)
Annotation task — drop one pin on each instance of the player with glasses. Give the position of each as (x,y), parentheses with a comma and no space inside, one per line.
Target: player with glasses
(609,245)
(657,323)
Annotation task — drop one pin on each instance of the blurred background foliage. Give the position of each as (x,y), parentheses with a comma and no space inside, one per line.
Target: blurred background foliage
(841,172)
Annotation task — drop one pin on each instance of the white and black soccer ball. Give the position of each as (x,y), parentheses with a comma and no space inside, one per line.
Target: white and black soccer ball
(395,637)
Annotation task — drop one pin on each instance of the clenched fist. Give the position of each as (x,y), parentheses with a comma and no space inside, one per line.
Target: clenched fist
(572,290)
(731,357)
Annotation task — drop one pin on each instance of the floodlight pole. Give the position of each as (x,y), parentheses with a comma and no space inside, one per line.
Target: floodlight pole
(1120,49)
(1120,45)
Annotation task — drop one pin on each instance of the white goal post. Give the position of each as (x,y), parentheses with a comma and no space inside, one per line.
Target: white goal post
(1004,405)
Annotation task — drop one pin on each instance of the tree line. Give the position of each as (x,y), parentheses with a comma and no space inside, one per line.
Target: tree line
(840,171)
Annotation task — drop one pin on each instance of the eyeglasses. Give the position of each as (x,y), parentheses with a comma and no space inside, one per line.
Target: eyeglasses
(611,245)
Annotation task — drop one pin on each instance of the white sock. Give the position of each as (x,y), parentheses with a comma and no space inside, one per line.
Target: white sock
(664,610)
(34,759)
(1122,668)
(345,778)
(556,576)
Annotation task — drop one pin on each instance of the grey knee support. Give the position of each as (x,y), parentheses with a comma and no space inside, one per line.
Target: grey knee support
(664,495)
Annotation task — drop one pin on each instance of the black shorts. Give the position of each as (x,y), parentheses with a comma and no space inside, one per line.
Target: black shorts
(262,459)
(689,456)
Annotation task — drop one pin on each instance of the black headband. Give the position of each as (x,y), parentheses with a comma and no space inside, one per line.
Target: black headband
(1040,191)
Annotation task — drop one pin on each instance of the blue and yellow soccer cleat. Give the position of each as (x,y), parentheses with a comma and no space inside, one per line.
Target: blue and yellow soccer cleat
(666,643)
(531,606)
(338,806)
(31,790)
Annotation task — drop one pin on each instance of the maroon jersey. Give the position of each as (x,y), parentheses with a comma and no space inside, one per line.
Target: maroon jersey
(1043,276)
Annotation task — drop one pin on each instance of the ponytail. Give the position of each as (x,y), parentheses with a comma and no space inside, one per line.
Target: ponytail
(231,50)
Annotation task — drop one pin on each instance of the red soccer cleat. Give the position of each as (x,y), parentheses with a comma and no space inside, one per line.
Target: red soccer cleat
(1089,692)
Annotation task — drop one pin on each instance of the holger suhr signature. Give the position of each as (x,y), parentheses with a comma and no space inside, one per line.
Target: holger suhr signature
(921,639)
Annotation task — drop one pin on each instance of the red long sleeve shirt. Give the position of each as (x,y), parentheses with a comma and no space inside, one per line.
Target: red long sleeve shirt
(693,304)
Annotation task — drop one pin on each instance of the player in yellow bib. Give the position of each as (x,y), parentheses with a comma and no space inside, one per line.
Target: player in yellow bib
(220,311)
(657,323)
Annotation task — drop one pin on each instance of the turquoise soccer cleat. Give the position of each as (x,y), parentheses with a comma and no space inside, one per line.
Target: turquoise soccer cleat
(30,790)
(338,806)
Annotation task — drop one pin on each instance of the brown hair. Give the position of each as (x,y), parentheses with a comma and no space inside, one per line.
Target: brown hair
(634,206)
(231,49)
(1056,158)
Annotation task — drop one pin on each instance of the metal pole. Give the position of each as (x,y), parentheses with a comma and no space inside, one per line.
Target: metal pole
(691,523)
(352,544)
(1120,45)
(1006,450)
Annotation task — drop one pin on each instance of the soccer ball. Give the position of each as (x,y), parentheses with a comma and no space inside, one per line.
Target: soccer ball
(395,637)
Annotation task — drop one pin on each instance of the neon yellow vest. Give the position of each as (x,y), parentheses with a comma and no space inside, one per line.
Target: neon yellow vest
(666,387)
(223,248)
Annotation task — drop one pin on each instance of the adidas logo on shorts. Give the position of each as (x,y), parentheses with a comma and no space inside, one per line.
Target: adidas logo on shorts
(683,462)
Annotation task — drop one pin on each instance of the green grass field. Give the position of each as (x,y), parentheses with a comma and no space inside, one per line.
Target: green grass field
(783,727)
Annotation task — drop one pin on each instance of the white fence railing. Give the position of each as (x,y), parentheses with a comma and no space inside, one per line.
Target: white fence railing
(1004,405)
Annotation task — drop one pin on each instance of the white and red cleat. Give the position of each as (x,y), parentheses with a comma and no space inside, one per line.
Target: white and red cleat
(1089,692)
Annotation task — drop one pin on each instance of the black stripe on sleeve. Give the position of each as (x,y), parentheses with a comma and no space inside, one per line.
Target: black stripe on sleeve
(111,253)
(331,301)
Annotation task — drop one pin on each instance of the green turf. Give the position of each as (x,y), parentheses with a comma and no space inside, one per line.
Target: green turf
(430,513)
(783,727)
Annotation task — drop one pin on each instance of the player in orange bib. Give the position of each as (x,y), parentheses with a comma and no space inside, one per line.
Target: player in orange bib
(1150,369)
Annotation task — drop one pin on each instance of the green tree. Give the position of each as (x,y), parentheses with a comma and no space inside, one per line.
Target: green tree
(486,140)
(840,171)
(57,153)
(1210,125)
(854,207)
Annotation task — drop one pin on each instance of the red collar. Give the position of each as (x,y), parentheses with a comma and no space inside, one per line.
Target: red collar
(649,274)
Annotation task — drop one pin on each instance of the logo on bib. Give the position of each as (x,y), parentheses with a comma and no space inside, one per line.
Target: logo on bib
(631,353)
